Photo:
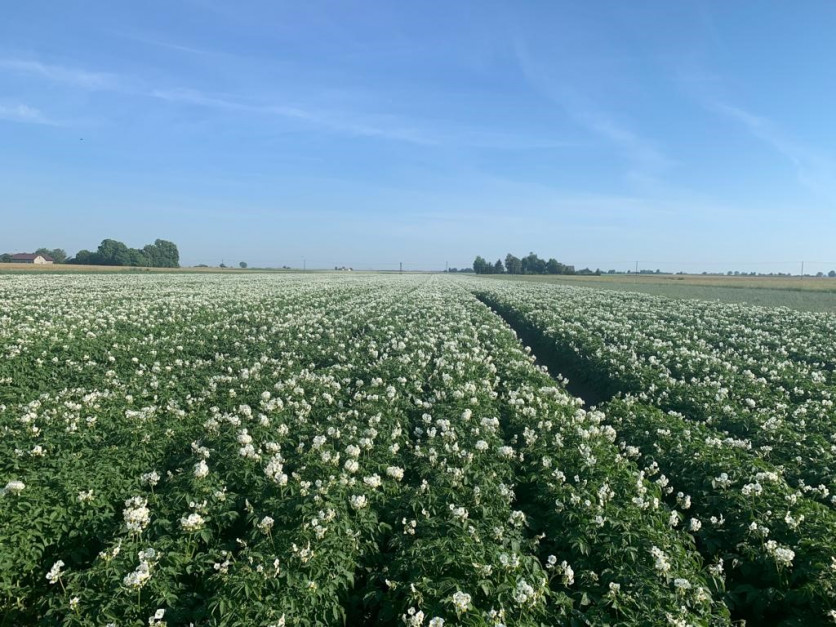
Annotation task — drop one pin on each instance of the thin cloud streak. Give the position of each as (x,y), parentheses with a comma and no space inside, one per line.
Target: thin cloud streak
(381,126)
(647,161)
(814,170)
(372,126)
(61,74)
(103,81)
(170,45)
(24,114)
(335,122)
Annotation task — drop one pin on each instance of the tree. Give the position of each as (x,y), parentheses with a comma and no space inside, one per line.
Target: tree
(553,266)
(162,254)
(498,268)
(532,264)
(513,265)
(243,265)
(5,258)
(83,257)
(150,252)
(832,274)
(167,255)
(113,253)
(480,265)
(137,258)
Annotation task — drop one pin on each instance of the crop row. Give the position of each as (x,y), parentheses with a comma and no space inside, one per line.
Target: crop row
(733,432)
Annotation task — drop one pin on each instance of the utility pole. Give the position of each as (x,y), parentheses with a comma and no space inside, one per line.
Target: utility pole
(401,270)
(802,269)
(637,267)
(446,266)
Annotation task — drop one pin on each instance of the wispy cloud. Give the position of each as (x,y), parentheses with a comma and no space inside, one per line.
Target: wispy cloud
(58,73)
(225,102)
(365,125)
(168,45)
(23,113)
(348,122)
(336,121)
(814,170)
(647,162)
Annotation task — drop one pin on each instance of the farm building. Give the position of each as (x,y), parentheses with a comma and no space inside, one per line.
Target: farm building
(32,258)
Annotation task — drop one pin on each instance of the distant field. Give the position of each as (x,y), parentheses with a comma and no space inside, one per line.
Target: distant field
(807,294)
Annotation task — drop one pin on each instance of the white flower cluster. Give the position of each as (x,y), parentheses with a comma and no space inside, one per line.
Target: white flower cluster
(13,487)
(150,478)
(156,620)
(525,594)
(372,481)
(275,470)
(136,514)
(413,617)
(142,574)
(459,513)
(193,522)
(722,481)
(662,563)
(782,555)
(265,525)
(461,601)
(85,496)
(55,572)
(201,469)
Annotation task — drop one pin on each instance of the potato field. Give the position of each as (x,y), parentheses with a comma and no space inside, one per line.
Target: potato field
(323,449)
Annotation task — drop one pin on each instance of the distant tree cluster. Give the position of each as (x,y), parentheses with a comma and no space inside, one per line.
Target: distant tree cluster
(480,266)
(530,264)
(160,254)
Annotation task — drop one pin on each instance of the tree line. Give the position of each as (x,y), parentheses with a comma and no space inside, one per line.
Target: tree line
(111,252)
(160,254)
(530,264)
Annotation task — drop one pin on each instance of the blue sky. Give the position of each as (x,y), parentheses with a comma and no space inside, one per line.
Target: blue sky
(687,135)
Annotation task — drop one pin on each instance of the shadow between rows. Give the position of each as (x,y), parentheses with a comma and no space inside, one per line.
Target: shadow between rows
(557,360)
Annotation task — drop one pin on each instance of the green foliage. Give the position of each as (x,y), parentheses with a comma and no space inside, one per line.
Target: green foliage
(160,254)
(256,449)
(731,408)
(530,264)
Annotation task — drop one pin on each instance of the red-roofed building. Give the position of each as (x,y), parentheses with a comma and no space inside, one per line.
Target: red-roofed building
(32,258)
